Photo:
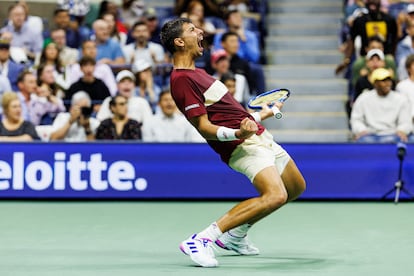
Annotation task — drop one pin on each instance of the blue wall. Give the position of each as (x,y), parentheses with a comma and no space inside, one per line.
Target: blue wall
(189,171)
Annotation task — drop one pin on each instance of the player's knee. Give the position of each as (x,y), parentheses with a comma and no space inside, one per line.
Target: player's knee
(275,200)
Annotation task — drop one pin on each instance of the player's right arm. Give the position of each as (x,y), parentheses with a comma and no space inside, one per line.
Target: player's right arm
(210,131)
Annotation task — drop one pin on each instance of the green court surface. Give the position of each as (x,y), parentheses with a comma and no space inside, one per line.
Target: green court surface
(141,238)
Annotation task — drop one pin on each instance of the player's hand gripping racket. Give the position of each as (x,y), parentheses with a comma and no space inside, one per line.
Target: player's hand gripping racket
(270,98)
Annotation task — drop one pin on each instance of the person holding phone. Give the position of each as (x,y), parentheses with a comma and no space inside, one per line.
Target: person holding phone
(77,125)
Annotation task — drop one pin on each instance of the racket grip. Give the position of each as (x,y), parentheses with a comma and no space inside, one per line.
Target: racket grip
(276,112)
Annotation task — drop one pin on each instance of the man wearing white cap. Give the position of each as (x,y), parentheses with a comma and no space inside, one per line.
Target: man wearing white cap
(138,108)
(381,115)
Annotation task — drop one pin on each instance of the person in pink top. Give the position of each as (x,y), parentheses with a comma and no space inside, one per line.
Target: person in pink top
(238,137)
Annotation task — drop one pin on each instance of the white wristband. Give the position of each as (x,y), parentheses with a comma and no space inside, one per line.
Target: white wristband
(276,112)
(226,134)
(256,116)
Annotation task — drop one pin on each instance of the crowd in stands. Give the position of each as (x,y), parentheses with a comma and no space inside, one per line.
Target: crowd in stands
(99,72)
(377,41)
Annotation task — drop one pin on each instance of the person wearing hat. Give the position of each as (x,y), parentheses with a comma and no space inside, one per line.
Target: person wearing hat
(381,115)
(220,62)
(138,107)
(151,18)
(146,87)
(403,17)
(375,58)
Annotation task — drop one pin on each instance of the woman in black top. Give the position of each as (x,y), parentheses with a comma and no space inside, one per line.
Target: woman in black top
(12,126)
(119,127)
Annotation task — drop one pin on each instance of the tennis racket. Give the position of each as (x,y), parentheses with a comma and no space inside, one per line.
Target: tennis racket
(270,98)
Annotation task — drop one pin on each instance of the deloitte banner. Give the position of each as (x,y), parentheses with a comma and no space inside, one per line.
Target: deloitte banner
(188,171)
(109,170)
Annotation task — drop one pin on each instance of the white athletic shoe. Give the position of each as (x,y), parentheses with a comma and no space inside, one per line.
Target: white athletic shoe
(200,251)
(240,245)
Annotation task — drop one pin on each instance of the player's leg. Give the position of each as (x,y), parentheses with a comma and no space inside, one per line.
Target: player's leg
(293,180)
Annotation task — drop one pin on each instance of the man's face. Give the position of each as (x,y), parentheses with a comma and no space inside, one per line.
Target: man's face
(87,70)
(231,44)
(374,63)
(191,39)
(62,19)
(235,20)
(4,54)
(17,16)
(141,33)
(373,5)
(89,49)
(126,87)
(167,105)
(28,84)
(59,38)
(102,31)
(383,87)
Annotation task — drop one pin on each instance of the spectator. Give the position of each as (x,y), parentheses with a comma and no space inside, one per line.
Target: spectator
(249,48)
(4,87)
(9,68)
(143,48)
(102,71)
(130,10)
(221,64)
(51,56)
(375,22)
(374,59)
(404,48)
(112,8)
(211,7)
(67,55)
(62,20)
(406,86)
(138,108)
(13,128)
(195,12)
(145,82)
(115,34)
(76,125)
(47,80)
(381,115)
(31,41)
(359,67)
(403,18)
(230,44)
(151,18)
(77,10)
(46,101)
(169,125)
(120,126)
(109,50)
(95,87)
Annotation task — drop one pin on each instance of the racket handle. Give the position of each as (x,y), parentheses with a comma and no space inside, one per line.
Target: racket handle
(276,112)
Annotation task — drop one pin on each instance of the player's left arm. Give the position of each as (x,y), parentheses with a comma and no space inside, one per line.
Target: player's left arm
(265,112)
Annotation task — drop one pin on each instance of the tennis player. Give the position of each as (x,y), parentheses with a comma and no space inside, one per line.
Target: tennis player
(237,136)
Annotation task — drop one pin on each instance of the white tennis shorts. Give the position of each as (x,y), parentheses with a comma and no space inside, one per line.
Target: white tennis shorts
(257,153)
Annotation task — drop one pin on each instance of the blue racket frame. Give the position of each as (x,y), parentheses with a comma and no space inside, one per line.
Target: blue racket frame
(265,94)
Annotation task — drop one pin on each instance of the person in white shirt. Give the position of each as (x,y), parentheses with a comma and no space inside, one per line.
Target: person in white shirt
(138,107)
(381,115)
(169,125)
(76,125)
(406,86)
(143,48)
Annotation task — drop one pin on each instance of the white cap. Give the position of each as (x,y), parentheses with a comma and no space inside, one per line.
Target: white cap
(410,8)
(125,74)
(375,52)
(140,65)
